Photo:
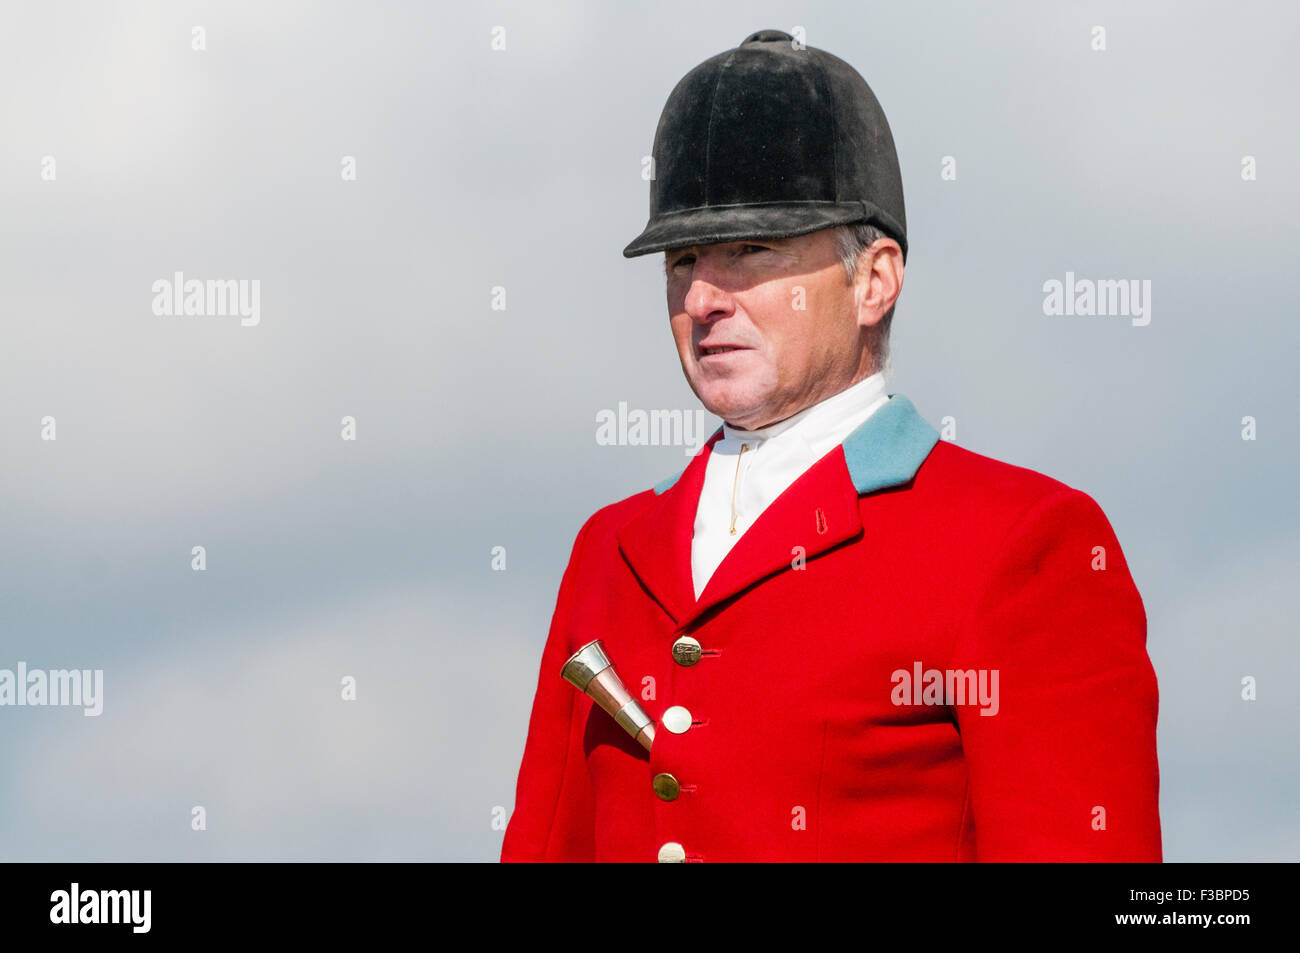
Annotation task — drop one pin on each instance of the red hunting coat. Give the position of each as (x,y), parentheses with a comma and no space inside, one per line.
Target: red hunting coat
(811,737)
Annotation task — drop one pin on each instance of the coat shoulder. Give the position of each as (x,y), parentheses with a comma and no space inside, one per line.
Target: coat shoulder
(950,461)
(978,505)
(603,525)
(1000,490)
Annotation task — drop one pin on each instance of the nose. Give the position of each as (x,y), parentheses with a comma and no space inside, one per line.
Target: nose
(706,299)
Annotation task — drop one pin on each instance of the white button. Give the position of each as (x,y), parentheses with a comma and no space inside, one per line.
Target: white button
(672,853)
(677,719)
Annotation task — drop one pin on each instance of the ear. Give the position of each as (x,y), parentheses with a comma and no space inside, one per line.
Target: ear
(878,281)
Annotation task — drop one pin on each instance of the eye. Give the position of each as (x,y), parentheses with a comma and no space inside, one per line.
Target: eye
(746,249)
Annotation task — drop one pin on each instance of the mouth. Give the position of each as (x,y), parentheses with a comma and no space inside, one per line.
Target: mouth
(724,349)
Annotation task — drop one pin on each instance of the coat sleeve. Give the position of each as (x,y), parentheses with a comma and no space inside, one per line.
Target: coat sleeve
(554,814)
(1066,769)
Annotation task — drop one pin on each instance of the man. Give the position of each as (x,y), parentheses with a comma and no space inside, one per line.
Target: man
(856,642)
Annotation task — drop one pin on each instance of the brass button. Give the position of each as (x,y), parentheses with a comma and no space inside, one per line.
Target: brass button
(677,719)
(672,853)
(666,787)
(686,651)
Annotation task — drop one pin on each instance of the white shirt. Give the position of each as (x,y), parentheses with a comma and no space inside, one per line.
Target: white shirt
(756,466)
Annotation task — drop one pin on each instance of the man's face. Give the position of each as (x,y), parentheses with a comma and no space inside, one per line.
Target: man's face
(784,314)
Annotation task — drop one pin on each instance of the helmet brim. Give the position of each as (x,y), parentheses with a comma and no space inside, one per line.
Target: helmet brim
(731,223)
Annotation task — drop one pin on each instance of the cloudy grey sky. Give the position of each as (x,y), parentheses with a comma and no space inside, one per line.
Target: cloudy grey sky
(521,168)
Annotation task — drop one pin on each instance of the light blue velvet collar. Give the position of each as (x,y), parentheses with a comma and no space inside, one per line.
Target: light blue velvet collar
(885,451)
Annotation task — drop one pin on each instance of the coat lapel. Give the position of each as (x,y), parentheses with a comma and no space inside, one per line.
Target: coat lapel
(817,512)
(657,542)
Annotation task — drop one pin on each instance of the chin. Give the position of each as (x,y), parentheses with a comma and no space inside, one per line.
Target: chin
(739,394)
(726,403)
